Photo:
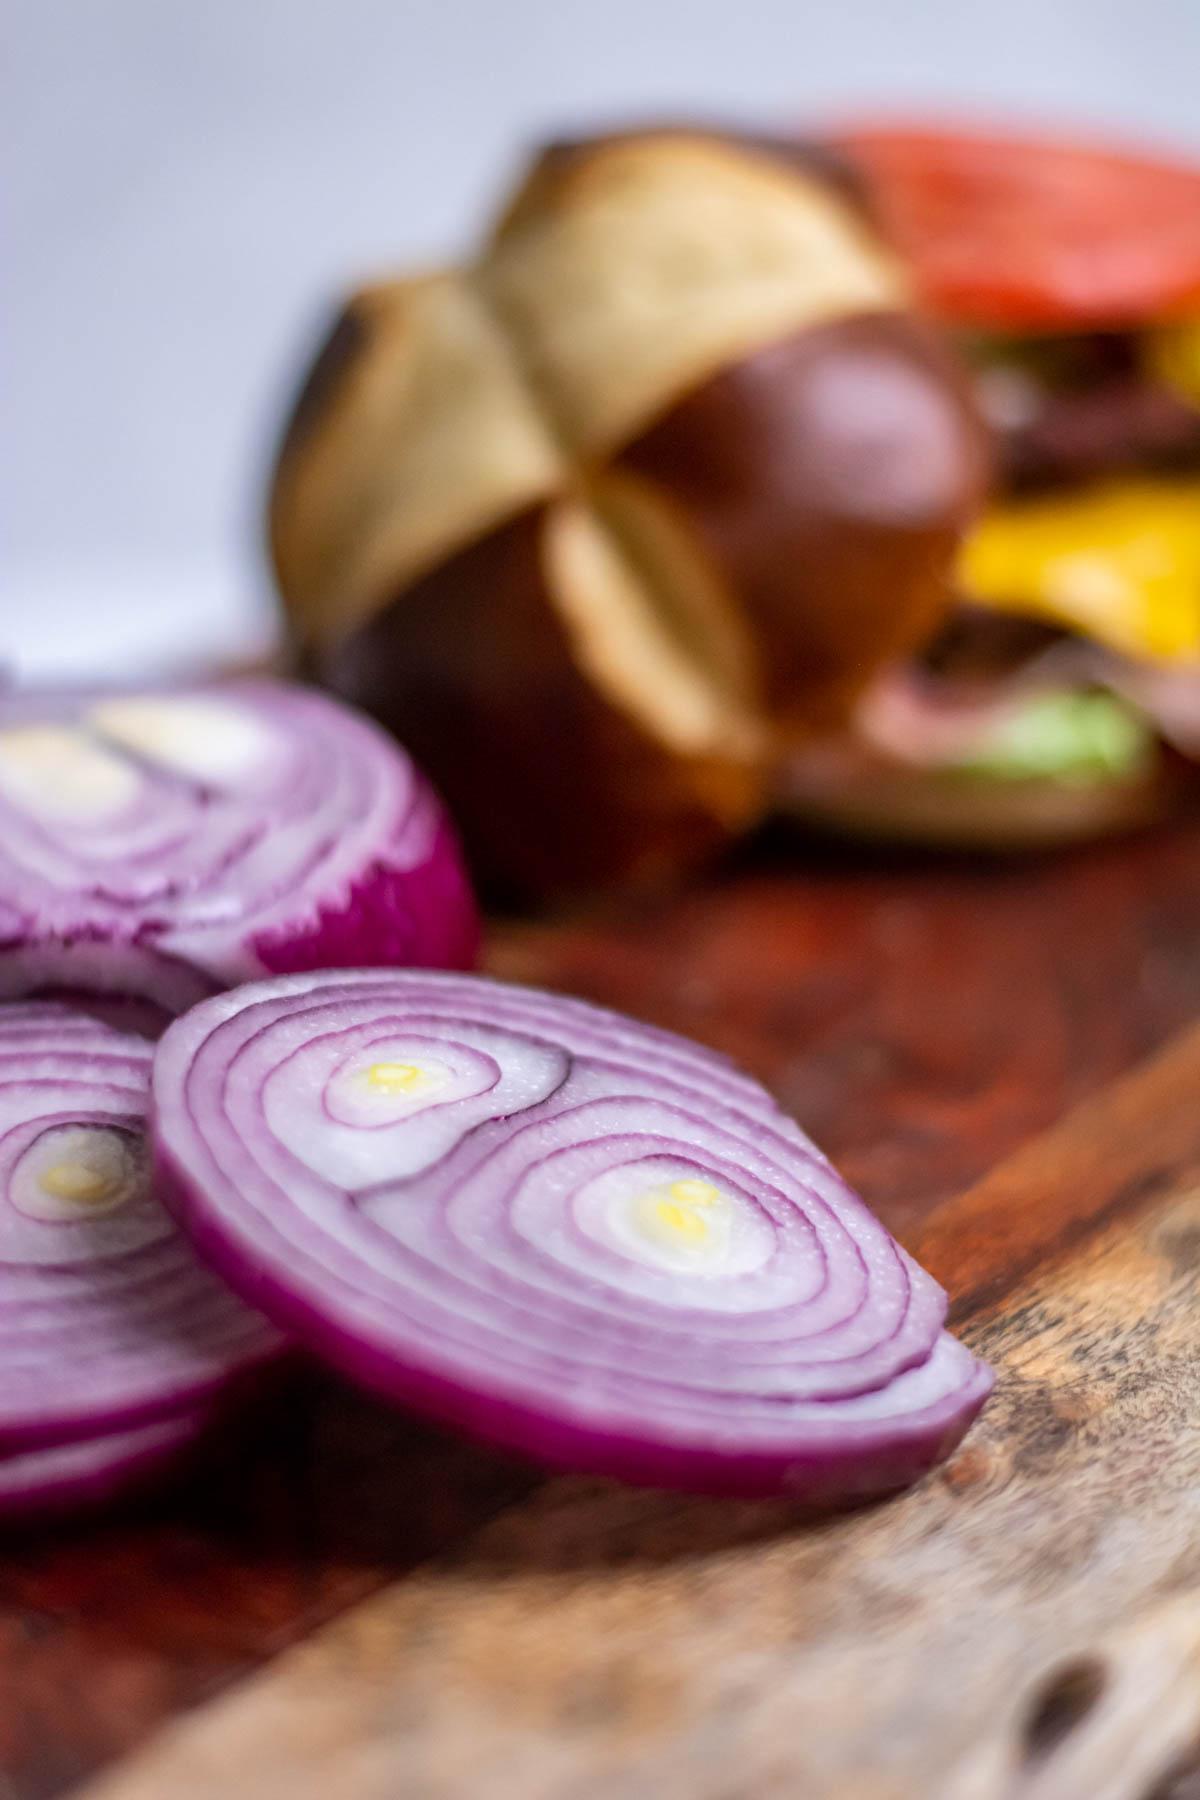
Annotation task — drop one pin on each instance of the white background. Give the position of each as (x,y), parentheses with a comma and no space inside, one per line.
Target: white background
(189,184)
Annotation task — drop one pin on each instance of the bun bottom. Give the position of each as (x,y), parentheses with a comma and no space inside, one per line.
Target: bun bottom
(855,795)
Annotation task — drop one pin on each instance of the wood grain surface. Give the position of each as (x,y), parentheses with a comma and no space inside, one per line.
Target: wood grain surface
(597,1642)
(921,1019)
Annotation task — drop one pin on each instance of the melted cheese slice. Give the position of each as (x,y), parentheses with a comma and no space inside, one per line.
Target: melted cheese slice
(1118,562)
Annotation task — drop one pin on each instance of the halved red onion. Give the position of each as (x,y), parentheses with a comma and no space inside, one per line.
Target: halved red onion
(557,1228)
(160,845)
(107,1320)
(65,1477)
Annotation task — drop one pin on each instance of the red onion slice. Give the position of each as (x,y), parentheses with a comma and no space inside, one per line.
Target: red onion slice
(165,844)
(107,1321)
(37,1483)
(562,1230)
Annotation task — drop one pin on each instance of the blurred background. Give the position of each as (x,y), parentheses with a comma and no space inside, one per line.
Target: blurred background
(189,187)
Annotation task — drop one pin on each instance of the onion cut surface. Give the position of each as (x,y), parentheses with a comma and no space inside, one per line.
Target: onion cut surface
(107,1320)
(160,845)
(561,1230)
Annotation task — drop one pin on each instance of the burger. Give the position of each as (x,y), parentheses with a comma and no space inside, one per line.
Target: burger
(1060,696)
(647,487)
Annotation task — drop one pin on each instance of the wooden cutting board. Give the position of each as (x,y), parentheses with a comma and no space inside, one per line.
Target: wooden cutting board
(1026,1623)
(1023,1625)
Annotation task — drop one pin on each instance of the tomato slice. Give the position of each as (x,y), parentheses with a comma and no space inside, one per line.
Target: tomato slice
(1037,233)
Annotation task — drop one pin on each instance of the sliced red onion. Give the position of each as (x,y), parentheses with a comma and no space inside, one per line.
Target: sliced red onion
(562,1230)
(927,722)
(921,722)
(107,1321)
(1167,693)
(161,845)
(37,1483)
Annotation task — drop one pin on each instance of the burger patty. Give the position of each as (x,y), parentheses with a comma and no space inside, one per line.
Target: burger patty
(1075,408)
(1130,422)
(1097,441)
(976,644)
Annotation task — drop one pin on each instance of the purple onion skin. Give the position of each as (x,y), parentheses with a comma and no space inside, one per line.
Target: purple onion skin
(382,882)
(329,1288)
(392,918)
